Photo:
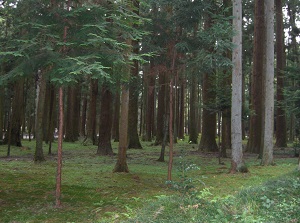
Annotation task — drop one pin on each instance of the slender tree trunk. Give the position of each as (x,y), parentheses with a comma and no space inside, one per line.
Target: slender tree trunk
(181,109)
(150,103)
(116,117)
(268,80)
(226,112)
(170,164)
(193,124)
(133,140)
(254,143)
(226,132)
(71,115)
(161,107)
(1,113)
(91,119)
(164,142)
(59,148)
(16,115)
(83,116)
(52,119)
(237,163)
(40,103)
(281,136)
(121,165)
(104,142)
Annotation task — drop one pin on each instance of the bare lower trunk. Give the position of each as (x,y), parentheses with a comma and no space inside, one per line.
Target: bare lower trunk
(237,163)
(104,143)
(254,143)
(121,165)
(91,119)
(268,123)
(281,136)
(41,93)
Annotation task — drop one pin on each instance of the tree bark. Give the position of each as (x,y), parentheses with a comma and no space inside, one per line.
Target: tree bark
(16,115)
(40,103)
(121,165)
(91,119)
(254,142)
(281,136)
(161,110)
(72,115)
(268,80)
(150,103)
(83,116)
(116,117)
(1,113)
(133,140)
(208,137)
(193,124)
(104,143)
(237,163)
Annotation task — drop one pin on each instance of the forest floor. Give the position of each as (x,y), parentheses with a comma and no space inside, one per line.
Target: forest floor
(202,190)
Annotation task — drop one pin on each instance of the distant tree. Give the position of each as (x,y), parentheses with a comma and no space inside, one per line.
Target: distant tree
(13,136)
(281,135)
(193,125)
(104,142)
(116,116)
(91,116)
(40,104)
(72,116)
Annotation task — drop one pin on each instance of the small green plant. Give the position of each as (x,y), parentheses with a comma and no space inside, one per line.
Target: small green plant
(185,185)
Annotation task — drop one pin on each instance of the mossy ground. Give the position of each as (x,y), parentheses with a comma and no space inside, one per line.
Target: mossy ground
(91,192)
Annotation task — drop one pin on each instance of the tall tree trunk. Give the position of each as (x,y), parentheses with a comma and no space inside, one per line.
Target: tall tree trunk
(71,115)
(237,163)
(133,137)
(40,103)
(268,90)
(16,115)
(104,143)
(150,103)
(52,119)
(59,147)
(208,137)
(281,136)
(193,124)
(181,109)
(116,117)
(161,107)
(83,116)
(121,165)
(91,119)
(226,132)
(170,164)
(254,143)
(1,113)
(226,113)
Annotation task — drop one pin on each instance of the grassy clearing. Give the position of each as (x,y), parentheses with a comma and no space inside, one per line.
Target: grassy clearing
(92,193)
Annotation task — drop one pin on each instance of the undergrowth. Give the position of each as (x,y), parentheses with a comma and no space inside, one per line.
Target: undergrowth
(275,201)
(201,189)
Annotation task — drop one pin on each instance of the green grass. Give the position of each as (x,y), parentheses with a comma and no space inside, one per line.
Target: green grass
(92,193)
